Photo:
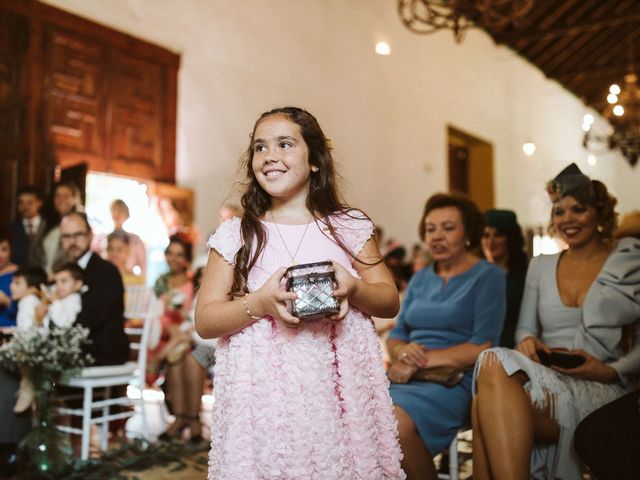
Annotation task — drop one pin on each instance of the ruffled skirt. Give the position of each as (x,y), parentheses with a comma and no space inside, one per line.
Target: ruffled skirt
(308,403)
(570,400)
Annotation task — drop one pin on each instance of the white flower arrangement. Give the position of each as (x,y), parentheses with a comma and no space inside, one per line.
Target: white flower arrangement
(52,353)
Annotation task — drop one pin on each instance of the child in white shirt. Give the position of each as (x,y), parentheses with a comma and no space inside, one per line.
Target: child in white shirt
(26,289)
(66,301)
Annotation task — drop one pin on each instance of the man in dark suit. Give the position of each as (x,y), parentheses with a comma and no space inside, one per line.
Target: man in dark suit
(28,229)
(103,302)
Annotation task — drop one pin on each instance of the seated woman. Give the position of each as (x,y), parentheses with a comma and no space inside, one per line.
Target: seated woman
(452,310)
(184,378)
(134,285)
(578,300)
(607,440)
(7,268)
(503,244)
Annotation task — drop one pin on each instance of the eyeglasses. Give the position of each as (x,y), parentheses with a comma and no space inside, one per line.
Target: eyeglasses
(74,236)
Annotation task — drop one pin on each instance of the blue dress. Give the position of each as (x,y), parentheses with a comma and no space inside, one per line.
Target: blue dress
(7,315)
(469,308)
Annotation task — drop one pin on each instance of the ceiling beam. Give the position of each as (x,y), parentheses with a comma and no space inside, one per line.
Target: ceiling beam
(515,37)
(594,72)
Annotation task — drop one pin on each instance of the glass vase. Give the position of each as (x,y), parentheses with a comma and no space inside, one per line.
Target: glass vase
(45,453)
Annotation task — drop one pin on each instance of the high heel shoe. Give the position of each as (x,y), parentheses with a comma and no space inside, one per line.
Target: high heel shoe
(196,437)
(176,428)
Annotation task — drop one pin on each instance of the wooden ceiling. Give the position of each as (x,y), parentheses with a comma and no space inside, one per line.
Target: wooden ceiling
(583,44)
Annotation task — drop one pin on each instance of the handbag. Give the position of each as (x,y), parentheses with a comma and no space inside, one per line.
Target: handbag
(446,376)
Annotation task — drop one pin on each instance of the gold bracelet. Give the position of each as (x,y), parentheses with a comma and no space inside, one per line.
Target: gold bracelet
(246,308)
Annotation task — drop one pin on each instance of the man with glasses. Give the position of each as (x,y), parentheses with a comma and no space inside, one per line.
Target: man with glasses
(103,302)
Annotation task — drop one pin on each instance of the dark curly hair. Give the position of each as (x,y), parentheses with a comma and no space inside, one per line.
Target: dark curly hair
(323,200)
(594,194)
(472,218)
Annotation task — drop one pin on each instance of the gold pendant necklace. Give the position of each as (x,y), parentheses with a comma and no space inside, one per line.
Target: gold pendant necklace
(292,257)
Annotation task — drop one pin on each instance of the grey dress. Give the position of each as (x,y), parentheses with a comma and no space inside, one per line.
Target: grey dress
(543,315)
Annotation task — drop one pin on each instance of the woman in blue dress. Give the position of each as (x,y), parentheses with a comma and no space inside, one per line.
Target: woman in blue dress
(7,307)
(453,310)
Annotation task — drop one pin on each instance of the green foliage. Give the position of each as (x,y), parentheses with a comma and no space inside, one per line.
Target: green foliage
(53,353)
(137,457)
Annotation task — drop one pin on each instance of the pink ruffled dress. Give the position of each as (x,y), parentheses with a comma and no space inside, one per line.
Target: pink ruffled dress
(307,403)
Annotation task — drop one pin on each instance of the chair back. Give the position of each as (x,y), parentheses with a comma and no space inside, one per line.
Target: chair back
(142,309)
(136,300)
(153,311)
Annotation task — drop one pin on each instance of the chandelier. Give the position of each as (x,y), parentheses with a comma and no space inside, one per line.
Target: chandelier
(429,16)
(623,113)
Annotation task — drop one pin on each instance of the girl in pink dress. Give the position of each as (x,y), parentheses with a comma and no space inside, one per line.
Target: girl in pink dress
(294,399)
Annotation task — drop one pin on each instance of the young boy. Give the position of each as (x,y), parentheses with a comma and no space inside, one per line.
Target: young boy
(26,289)
(66,302)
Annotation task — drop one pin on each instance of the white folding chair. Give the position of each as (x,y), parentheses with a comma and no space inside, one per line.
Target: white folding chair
(106,377)
(454,467)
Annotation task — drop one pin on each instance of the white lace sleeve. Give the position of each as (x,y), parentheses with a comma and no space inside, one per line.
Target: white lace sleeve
(227,240)
(355,229)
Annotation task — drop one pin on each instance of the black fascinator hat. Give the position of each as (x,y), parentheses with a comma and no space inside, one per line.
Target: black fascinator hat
(571,181)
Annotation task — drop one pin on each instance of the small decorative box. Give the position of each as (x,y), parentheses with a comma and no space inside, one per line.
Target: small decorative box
(314,284)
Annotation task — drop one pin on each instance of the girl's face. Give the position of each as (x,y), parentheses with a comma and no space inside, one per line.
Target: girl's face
(494,246)
(575,223)
(19,288)
(281,159)
(176,258)
(5,254)
(118,253)
(63,200)
(445,236)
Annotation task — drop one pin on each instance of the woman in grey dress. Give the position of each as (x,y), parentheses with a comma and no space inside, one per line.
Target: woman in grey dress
(577,300)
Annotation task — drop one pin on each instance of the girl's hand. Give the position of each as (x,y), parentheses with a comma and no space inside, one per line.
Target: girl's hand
(345,284)
(591,369)
(529,347)
(413,354)
(270,300)
(401,372)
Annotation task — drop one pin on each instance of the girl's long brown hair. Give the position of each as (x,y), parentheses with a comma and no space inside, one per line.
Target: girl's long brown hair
(323,200)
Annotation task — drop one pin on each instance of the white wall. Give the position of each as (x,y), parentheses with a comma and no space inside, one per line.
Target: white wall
(387,116)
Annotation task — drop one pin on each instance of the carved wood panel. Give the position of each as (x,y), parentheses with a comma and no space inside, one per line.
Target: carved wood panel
(135,109)
(73,92)
(13,32)
(74,96)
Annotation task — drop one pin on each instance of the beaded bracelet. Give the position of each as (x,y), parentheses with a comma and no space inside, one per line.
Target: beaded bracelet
(246,308)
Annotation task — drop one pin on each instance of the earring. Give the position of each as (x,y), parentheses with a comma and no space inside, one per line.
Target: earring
(600,228)
(467,243)
(314,169)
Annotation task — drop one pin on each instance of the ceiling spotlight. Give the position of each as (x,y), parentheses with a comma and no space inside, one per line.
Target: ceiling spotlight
(529,148)
(383,48)
(615,89)
(618,110)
